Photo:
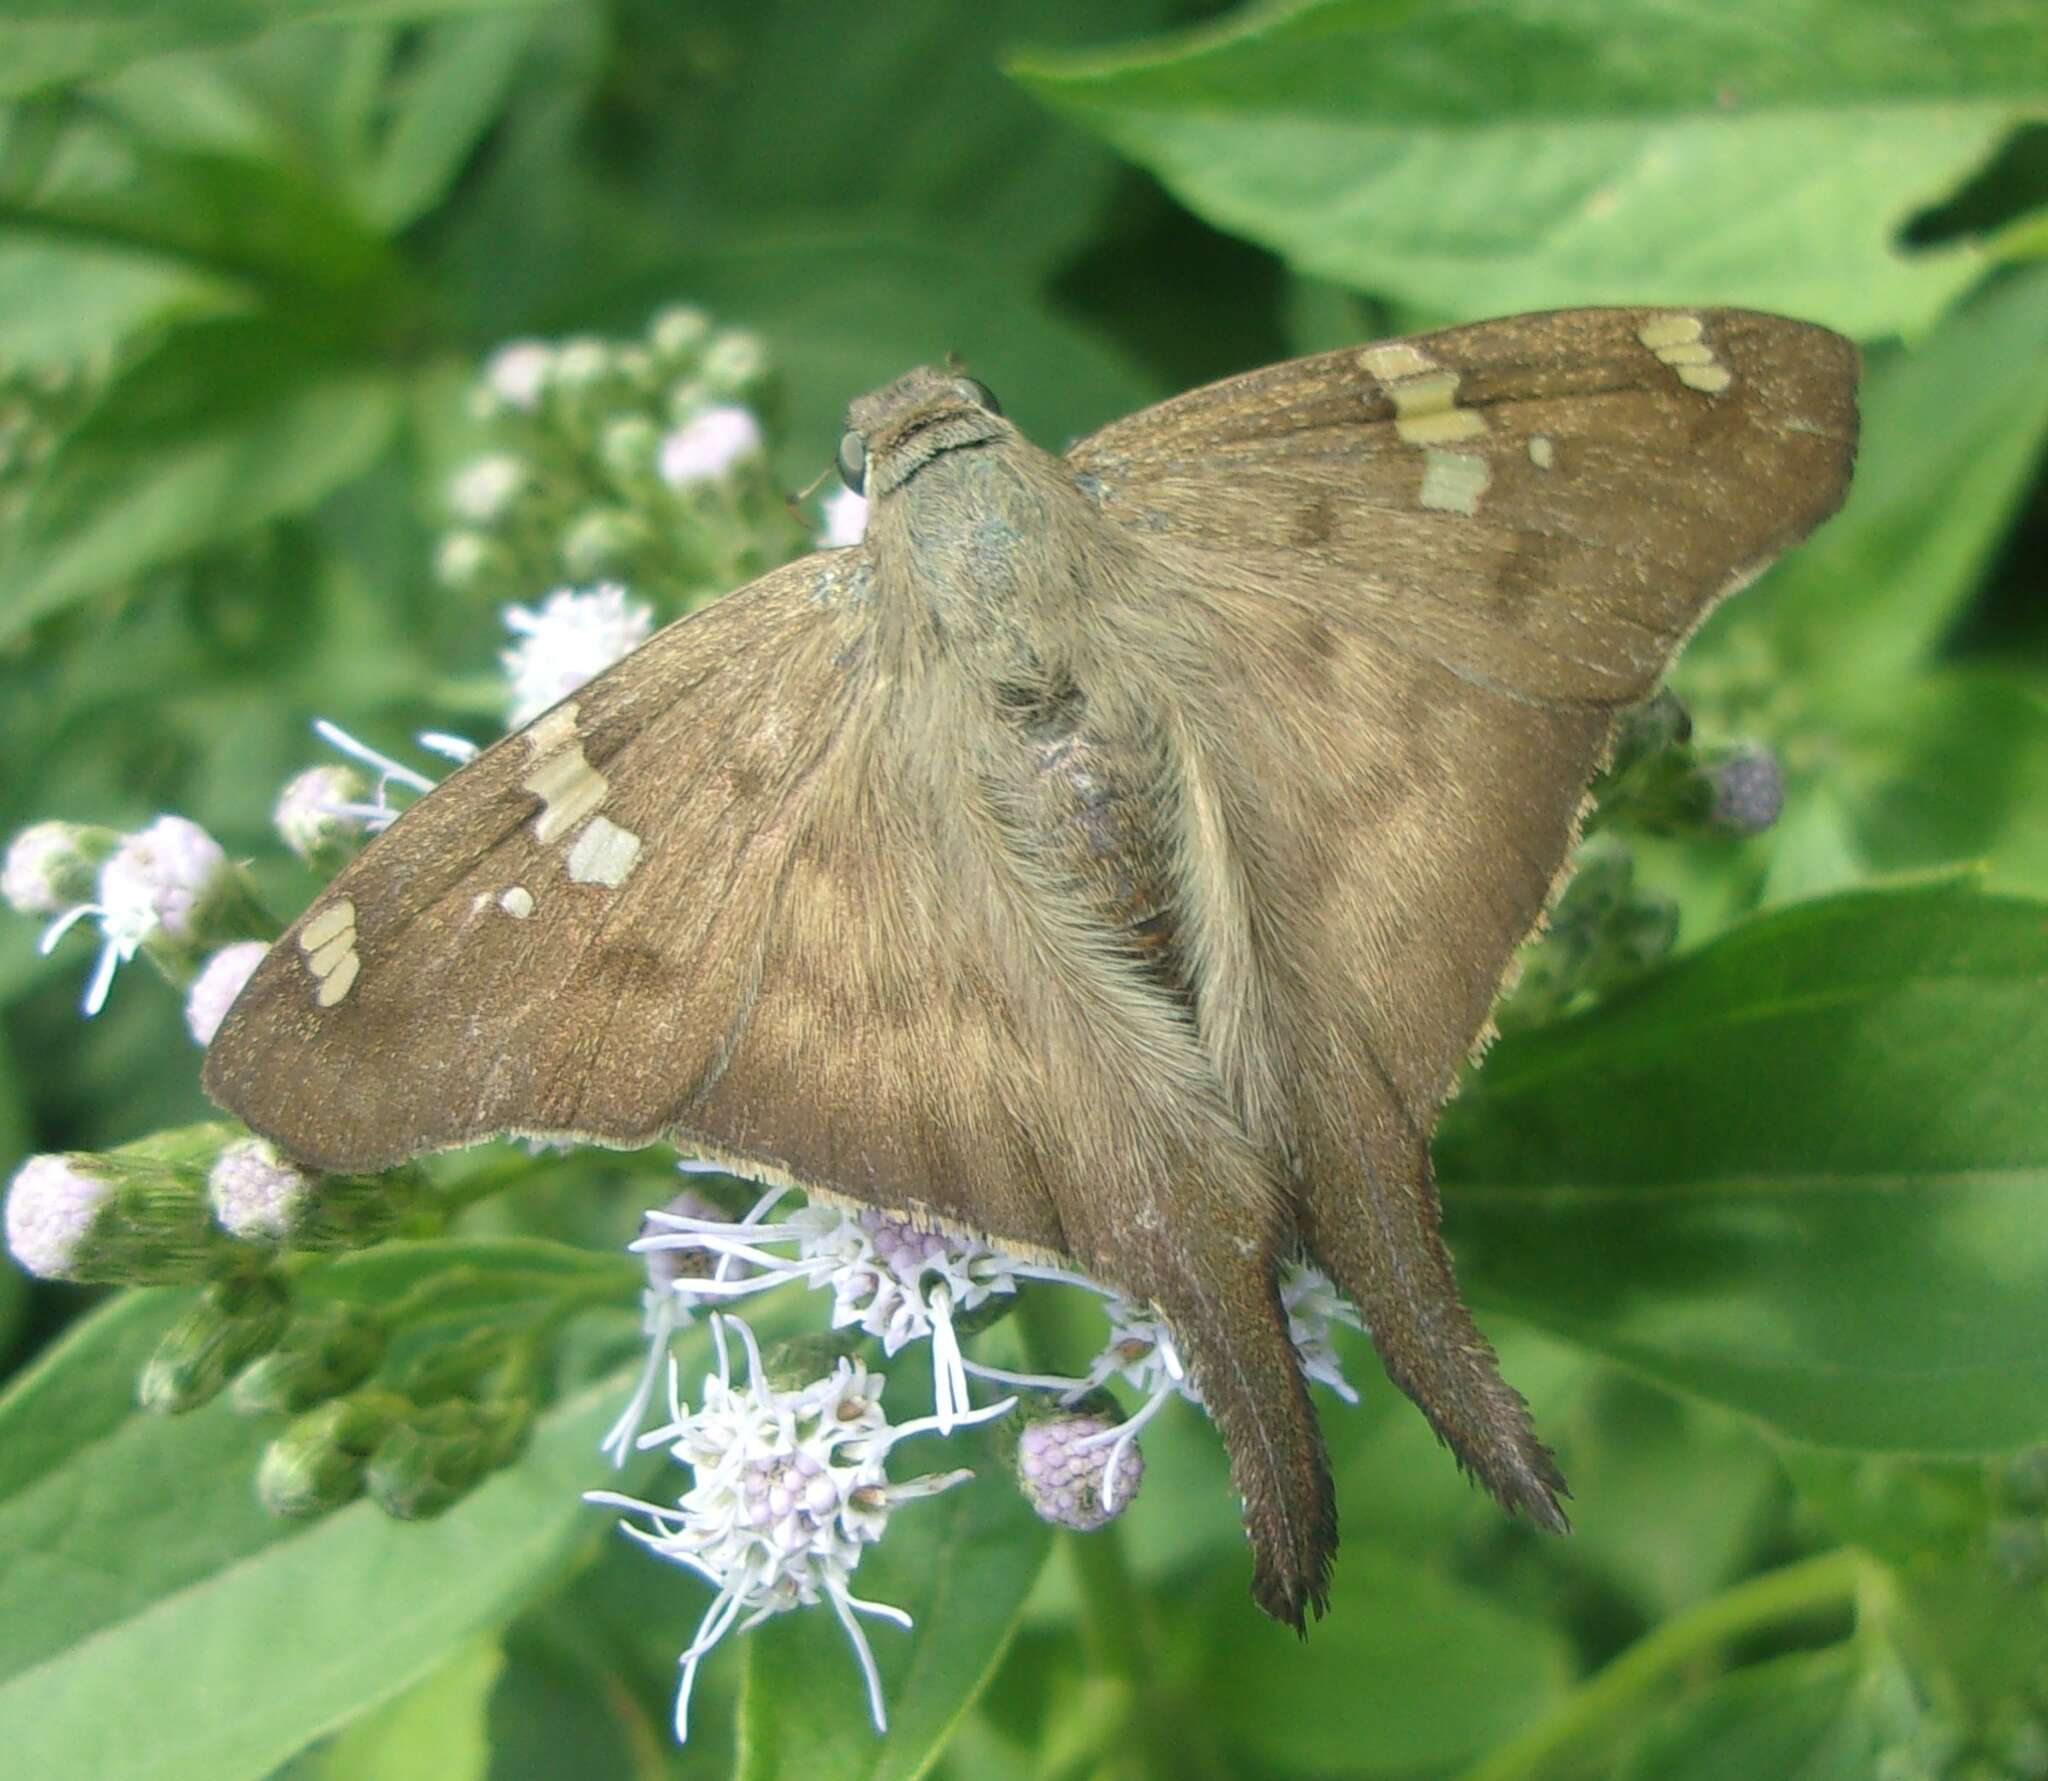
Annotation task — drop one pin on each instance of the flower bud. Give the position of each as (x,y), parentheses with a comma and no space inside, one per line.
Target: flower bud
(582,363)
(322,1354)
(796,1361)
(437,1456)
(628,446)
(221,979)
(52,866)
(233,1323)
(485,488)
(1746,790)
(736,364)
(317,1464)
(516,378)
(464,560)
(263,1197)
(602,543)
(709,447)
(119,1219)
(1062,1462)
(314,817)
(678,336)
(668,1268)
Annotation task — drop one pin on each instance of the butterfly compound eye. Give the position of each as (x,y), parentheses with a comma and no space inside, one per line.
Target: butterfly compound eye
(853,461)
(982,394)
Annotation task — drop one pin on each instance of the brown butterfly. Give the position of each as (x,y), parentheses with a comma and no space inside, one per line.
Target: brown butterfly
(1114,855)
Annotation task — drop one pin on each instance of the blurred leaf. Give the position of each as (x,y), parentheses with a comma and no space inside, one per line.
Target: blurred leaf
(1826,1717)
(227,425)
(1948,442)
(1472,161)
(45,43)
(755,117)
(434,1731)
(156,1623)
(1799,1173)
(60,301)
(1420,1673)
(962,1564)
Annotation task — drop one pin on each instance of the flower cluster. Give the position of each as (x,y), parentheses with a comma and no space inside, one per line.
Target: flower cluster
(637,463)
(790,1487)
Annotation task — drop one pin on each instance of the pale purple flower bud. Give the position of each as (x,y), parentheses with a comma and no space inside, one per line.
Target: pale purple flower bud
(52,1206)
(572,637)
(846,519)
(518,375)
(53,865)
(315,811)
(487,486)
(709,447)
(255,1193)
(666,1268)
(214,991)
(158,878)
(1062,1461)
(1748,791)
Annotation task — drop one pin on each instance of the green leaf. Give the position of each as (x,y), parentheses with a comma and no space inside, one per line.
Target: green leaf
(1800,1173)
(1950,435)
(47,43)
(61,301)
(1828,1716)
(156,1624)
(1475,160)
(962,1564)
(226,426)
(1418,1673)
(436,1731)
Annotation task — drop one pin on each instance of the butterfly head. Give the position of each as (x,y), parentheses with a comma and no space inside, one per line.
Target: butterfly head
(894,433)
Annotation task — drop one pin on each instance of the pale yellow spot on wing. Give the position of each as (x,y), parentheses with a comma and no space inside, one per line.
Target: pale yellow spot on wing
(1453,481)
(1678,341)
(336,918)
(338,982)
(328,943)
(1395,360)
(1542,452)
(516,901)
(604,854)
(1426,411)
(569,789)
(556,730)
(1670,330)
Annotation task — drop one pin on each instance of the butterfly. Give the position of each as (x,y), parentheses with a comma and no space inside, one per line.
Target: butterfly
(1114,855)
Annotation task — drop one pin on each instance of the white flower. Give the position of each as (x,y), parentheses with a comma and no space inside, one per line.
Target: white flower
(485,487)
(1314,1306)
(51,1207)
(573,637)
(50,866)
(709,446)
(517,375)
(214,991)
(789,1490)
(846,519)
(320,808)
(155,880)
(895,1281)
(255,1194)
(379,813)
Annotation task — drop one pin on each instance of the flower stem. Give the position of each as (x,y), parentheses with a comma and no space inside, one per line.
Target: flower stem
(1813,1586)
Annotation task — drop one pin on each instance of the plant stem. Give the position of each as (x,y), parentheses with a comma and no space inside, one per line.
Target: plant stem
(1815,1585)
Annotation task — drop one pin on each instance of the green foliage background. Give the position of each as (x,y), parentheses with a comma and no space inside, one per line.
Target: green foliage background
(1764,1238)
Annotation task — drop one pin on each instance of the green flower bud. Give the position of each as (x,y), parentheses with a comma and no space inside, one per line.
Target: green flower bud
(324,1353)
(318,1463)
(233,1322)
(629,446)
(433,1459)
(263,1197)
(582,363)
(795,1361)
(467,560)
(313,818)
(678,335)
(603,543)
(452,1368)
(736,365)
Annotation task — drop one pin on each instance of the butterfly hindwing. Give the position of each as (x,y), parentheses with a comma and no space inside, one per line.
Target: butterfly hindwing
(1429,572)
